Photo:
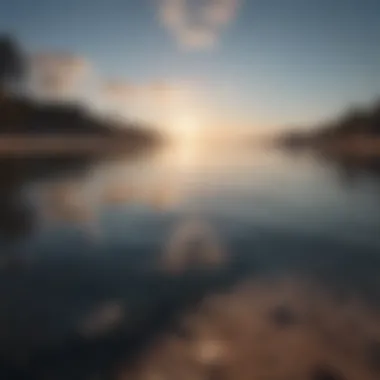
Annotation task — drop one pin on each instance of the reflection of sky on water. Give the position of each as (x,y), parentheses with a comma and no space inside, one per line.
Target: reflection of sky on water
(128,243)
(121,200)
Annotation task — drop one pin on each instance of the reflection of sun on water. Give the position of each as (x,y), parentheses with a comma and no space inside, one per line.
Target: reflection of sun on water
(186,140)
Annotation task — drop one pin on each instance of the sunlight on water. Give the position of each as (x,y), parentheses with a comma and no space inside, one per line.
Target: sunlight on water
(112,253)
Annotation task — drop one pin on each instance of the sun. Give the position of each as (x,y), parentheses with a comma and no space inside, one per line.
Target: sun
(186,130)
(187,126)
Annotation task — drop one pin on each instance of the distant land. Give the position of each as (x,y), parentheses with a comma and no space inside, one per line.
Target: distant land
(352,140)
(356,133)
(28,125)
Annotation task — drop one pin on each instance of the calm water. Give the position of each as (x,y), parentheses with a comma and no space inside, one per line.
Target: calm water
(129,243)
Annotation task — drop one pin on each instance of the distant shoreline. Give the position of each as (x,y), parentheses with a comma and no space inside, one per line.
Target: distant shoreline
(28,127)
(68,144)
(355,147)
(352,146)
(353,154)
(353,136)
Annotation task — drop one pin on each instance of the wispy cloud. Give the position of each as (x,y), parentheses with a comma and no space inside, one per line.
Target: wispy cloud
(119,91)
(159,93)
(68,77)
(57,75)
(197,24)
(166,103)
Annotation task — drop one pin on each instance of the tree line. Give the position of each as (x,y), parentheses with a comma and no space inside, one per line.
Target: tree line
(23,114)
(357,122)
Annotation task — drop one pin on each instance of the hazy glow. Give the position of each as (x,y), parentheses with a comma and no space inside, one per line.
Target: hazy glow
(187,127)
(186,139)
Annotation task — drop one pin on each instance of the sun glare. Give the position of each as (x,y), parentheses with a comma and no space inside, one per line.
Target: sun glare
(186,129)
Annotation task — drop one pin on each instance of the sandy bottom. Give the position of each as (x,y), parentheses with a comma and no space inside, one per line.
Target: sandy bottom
(280,330)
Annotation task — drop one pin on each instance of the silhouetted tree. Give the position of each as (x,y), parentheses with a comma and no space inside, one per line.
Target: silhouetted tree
(12,65)
(20,113)
(375,119)
(356,121)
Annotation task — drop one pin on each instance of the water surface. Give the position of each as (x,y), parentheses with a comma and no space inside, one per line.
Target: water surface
(97,256)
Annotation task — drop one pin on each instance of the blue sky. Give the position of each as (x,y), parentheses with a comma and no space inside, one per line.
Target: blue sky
(259,63)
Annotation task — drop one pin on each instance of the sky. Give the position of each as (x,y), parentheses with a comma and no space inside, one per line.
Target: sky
(245,64)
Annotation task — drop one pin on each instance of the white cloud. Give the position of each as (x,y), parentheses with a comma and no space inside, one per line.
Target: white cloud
(197,24)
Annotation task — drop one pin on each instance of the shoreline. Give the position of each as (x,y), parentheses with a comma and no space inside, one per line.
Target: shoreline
(70,144)
(352,146)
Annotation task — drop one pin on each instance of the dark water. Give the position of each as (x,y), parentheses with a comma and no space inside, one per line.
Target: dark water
(100,256)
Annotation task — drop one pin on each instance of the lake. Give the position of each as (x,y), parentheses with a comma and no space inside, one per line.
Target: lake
(101,256)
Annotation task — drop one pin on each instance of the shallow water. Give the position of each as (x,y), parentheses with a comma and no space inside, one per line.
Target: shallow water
(98,256)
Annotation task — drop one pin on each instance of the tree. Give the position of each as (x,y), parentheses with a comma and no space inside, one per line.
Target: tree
(354,122)
(12,66)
